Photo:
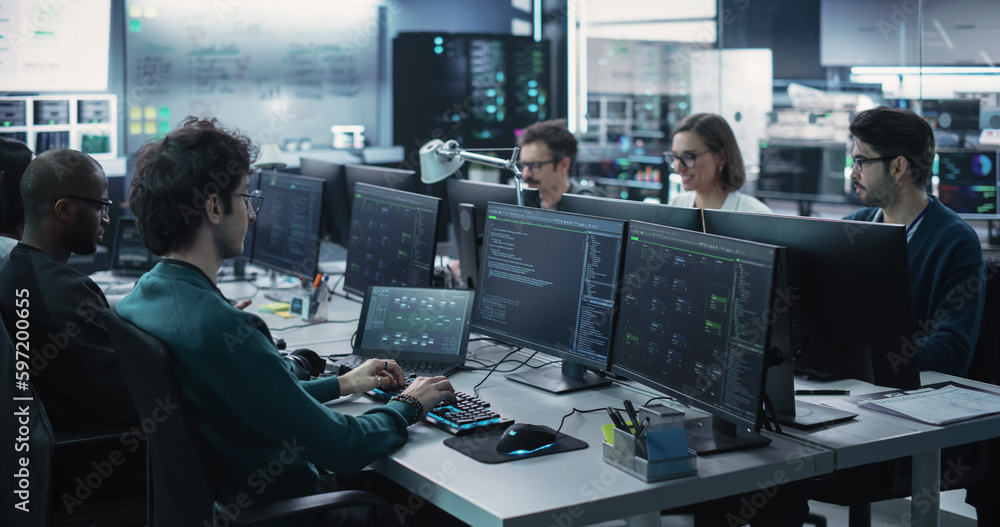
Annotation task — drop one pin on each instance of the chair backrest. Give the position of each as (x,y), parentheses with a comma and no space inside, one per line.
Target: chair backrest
(986,357)
(14,509)
(181,472)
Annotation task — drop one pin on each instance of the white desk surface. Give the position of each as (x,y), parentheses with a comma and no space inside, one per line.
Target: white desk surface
(578,486)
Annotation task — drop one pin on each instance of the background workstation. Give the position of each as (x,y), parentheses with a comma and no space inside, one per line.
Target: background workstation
(622,73)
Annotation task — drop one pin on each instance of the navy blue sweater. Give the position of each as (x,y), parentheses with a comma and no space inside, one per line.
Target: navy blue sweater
(947,276)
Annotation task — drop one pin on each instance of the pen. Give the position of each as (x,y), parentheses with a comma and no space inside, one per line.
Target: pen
(632,415)
(616,419)
(822,392)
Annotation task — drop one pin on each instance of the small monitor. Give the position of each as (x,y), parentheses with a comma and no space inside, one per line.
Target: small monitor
(548,281)
(956,115)
(967,182)
(689,325)
(129,256)
(847,294)
(468,229)
(393,239)
(803,172)
(287,230)
(680,217)
(336,202)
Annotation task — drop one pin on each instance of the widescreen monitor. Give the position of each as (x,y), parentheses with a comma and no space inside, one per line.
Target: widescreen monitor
(967,182)
(393,239)
(336,202)
(847,294)
(380,177)
(680,217)
(286,235)
(691,324)
(803,172)
(548,281)
(469,226)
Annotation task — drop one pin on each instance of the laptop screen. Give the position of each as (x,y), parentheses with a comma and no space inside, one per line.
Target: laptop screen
(411,323)
(130,257)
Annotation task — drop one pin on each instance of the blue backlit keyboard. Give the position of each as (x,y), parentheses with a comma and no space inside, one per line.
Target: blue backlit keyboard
(467,415)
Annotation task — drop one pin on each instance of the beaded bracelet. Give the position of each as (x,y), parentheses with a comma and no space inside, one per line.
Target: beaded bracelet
(412,401)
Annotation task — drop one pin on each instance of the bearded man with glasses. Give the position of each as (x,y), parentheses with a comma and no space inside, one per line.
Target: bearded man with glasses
(547,152)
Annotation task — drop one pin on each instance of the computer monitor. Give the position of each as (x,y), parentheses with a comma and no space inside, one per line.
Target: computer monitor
(286,234)
(622,209)
(847,294)
(959,115)
(393,239)
(548,281)
(469,227)
(967,182)
(336,203)
(380,177)
(689,325)
(803,172)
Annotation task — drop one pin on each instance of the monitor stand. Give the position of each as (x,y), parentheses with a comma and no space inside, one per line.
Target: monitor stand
(571,377)
(712,435)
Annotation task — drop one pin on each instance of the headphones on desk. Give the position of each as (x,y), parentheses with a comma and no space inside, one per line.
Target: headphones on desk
(306,363)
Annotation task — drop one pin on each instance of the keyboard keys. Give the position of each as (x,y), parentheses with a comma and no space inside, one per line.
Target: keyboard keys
(467,415)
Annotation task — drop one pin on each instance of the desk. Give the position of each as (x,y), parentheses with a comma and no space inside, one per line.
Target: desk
(579,488)
(874,436)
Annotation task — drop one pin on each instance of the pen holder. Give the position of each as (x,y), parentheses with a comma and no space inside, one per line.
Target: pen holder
(661,450)
(310,304)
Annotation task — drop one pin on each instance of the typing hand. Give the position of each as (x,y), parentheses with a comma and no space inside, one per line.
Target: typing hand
(431,390)
(374,373)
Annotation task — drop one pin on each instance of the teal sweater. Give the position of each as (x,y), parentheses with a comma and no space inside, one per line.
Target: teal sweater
(947,287)
(249,408)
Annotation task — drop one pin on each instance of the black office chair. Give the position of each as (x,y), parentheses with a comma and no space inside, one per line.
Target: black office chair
(44,508)
(181,472)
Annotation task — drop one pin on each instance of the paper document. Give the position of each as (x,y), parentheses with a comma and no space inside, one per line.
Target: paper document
(940,406)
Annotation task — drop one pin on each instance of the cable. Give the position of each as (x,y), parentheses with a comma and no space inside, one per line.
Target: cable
(475,389)
(300,326)
(576,410)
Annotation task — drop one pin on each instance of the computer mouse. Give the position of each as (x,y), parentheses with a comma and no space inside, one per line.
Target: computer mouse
(523,438)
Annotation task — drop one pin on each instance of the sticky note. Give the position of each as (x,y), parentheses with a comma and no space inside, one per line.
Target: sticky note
(164,113)
(609,433)
(150,127)
(150,11)
(135,11)
(273,307)
(149,113)
(135,25)
(135,113)
(668,443)
(164,127)
(135,128)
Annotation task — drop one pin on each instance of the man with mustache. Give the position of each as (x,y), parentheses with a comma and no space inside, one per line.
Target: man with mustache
(547,152)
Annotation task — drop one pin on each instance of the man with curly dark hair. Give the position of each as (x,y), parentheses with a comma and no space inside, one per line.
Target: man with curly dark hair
(192,200)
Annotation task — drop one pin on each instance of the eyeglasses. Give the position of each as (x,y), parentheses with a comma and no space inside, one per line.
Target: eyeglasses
(254,200)
(686,159)
(533,165)
(859,161)
(105,202)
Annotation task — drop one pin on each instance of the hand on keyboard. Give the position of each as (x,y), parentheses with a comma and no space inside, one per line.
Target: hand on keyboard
(372,374)
(464,414)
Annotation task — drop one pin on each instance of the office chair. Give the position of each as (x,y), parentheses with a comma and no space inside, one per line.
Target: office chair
(181,489)
(44,508)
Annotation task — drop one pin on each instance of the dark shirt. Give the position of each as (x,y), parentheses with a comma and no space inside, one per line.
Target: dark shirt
(73,366)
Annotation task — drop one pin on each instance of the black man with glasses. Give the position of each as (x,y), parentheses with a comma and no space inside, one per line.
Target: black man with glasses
(705,154)
(547,152)
(73,366)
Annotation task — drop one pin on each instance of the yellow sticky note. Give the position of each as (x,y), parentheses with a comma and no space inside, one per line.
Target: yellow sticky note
(149,113)
(150,11)
(609,433)
(135,113)
(135,128)
(150,127)
(135,11)
(284,314)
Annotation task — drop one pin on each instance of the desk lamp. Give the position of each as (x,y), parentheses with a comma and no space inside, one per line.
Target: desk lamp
(440,159)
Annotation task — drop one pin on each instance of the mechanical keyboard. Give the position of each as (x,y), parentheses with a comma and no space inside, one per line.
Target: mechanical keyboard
(467,415)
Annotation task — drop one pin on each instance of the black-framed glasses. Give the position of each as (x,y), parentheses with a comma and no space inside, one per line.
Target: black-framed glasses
(686,159)
(534,165)
(106,203)
(859,161)
(254,200)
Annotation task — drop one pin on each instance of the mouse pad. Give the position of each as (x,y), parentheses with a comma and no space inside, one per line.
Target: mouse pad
(483,447)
